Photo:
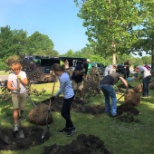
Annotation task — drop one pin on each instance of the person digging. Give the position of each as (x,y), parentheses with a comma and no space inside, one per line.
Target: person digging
(17,82)
(106,86)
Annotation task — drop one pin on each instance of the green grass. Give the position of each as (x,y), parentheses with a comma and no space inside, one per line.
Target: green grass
(119,137)
(4,73)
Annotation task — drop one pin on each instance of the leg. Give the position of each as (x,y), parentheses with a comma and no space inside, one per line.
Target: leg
(107,99)
(146,86)
(112,94)
(80,89)
(65,112)
(15,101)
(125,73)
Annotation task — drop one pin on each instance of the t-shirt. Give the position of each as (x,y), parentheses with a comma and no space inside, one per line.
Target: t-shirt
(65,86)
(13,78)
(144,71)
(110,79)
(78,77)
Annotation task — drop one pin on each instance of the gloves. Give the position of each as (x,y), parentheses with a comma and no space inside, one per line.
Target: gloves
(53,98)
(19,77)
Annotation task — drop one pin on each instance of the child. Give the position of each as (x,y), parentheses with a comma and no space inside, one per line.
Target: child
(66,89)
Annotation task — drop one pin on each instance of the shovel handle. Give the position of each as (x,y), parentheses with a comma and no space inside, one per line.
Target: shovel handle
(53,88)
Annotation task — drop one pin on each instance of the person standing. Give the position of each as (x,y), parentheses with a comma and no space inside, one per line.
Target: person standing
(77,79)
(67,90)
(126,69)
(66,64)
(17,82)
(106,86)
(109,69)
(145,76)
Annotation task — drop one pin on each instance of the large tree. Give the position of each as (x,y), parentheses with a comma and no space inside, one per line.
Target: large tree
(146,31)
(110,24)
(41,44)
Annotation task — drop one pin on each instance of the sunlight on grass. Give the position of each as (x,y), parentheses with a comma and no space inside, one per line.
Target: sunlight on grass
(119,137)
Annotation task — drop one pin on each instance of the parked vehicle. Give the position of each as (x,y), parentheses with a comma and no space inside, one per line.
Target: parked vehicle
(120,68)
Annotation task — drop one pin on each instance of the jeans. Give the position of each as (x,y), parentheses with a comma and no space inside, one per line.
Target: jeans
(65,112)
(108,91)
(145,88)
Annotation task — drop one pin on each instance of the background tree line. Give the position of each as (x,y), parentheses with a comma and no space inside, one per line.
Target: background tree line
(16,42)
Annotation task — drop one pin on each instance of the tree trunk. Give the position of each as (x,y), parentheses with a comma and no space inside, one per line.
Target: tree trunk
(114,58)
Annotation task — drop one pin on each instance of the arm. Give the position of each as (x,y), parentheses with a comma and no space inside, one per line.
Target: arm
(62,86)
(124,82)
(23,81)
(9,86)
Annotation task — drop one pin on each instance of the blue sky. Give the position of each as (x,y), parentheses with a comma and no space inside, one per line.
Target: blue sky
(55,18)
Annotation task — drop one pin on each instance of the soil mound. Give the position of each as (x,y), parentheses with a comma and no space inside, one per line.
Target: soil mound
(82,145)
(32,138)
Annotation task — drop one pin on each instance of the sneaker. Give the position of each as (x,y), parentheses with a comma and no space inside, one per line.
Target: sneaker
(71,132)
(15,129)
(63,130)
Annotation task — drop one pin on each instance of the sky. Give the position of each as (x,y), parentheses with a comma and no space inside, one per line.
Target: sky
(55,18)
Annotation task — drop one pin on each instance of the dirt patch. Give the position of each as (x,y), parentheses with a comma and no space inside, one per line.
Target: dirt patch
(32,138)
(82,145)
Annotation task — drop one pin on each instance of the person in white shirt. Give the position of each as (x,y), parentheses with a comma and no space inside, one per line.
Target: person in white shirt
(146,77)
(17,82)
(109,69)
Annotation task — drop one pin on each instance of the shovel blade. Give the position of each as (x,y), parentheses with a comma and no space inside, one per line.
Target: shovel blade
(5,139)
(21,134)
(45,131)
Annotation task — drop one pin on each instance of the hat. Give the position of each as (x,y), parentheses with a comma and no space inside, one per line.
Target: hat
(135,65)
(88,60)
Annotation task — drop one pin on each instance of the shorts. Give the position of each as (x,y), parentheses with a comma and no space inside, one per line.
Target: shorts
(19,101)
(77,86)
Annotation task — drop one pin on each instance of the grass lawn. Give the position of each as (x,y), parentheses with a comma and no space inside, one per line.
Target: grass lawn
(119,137)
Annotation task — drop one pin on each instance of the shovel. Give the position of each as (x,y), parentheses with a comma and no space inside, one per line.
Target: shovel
(31,101)
(46,129)
(4,138)
(19,134)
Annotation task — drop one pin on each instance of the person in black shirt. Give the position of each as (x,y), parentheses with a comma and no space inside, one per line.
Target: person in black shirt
(77,79)
(106,86)
(126,69)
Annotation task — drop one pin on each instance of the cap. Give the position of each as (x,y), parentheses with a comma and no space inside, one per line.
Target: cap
(135,65)
(88,60)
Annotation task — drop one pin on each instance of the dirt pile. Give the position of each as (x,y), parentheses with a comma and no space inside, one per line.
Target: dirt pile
(82,145)
(32,138)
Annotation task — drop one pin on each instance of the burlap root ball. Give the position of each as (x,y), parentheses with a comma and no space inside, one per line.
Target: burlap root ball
(138,88)
(38,115)
(132,97)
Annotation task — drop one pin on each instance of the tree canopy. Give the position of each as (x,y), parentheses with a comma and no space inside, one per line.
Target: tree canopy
(15,42)
(118,27)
